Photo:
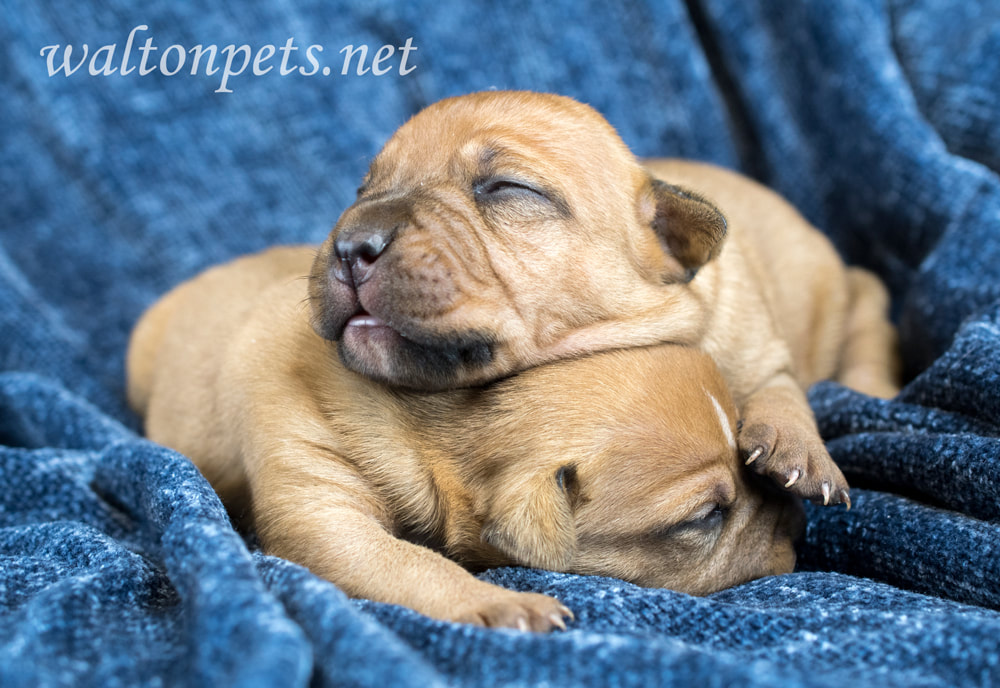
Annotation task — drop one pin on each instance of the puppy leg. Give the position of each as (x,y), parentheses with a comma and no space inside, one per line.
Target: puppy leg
(779,439)
(343,535)
(870,360)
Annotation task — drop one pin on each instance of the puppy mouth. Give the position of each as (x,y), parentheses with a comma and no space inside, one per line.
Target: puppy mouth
(364,322)
(372,346)
(365,331)
(367,328)
(365,319)
(397,348)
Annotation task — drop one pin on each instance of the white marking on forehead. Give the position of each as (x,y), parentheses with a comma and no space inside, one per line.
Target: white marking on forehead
(723,420)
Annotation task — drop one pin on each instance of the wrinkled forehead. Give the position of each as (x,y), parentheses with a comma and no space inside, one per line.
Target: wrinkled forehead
(513,129)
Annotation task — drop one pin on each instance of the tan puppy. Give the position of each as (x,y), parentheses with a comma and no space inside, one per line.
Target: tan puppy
(493,233)
(622,464)
(501,230)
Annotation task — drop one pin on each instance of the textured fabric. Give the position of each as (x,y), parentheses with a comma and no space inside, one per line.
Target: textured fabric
(879,120)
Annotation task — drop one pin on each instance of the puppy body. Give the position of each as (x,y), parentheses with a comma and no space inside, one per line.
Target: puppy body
(503,230)
(780,282)
(495,233)
(620,464)
(782,313)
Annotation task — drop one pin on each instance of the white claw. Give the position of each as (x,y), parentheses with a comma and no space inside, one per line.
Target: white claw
(826,493)
(755,455)
(522,624)
(793,477)
(557,621)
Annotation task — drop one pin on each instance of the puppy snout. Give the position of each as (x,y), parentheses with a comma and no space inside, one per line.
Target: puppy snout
(356,252)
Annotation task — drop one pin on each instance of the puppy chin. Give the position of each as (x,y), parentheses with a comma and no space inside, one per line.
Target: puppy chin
(424,362)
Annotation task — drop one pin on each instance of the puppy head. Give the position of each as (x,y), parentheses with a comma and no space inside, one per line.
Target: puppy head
(625,465)
(500,230)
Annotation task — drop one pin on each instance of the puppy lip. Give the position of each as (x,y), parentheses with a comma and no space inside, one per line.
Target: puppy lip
(363,319)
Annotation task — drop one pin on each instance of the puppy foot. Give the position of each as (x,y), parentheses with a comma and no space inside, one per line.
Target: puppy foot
(520,610)
(795,459)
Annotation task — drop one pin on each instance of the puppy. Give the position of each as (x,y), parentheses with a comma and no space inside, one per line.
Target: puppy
(502,230)
(621,464)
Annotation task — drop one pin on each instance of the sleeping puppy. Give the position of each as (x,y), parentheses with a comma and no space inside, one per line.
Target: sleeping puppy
(622,464)
(502,230)
(494,233)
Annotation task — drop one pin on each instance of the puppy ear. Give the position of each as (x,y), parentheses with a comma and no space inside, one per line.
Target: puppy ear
(531,521)
(690,226)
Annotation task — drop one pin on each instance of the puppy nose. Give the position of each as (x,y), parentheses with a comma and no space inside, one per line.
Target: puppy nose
(364,245)
(356,252)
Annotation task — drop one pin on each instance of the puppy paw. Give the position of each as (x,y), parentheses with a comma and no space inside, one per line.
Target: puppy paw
(520,610)
(794,457)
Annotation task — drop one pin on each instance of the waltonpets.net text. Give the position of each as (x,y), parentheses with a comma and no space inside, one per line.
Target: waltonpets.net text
(230,60)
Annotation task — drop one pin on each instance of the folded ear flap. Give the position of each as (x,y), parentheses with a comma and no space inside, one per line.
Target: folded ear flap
(531,520)
(690,226)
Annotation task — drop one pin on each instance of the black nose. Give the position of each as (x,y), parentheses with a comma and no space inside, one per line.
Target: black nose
(362,245)
(357,250)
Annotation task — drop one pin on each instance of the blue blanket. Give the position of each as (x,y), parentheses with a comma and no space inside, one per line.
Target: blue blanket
(879,120)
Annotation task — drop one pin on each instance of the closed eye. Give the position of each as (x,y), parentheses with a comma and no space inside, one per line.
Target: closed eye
(501,188)
(708,518)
